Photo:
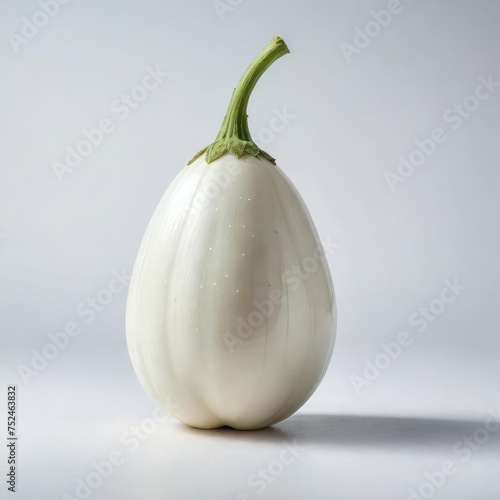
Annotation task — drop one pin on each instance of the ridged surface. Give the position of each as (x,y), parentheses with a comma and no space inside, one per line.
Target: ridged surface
(231,243)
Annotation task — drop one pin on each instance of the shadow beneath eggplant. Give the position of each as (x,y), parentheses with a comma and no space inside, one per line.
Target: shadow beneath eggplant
(361,430)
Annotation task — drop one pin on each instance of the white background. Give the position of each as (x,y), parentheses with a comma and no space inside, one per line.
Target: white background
(61,237)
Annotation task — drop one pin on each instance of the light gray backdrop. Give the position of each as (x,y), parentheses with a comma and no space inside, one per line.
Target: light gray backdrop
(368,85)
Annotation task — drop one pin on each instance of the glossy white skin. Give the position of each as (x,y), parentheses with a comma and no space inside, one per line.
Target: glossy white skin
(224,240)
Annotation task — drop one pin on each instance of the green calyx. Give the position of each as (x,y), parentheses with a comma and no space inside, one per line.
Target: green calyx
(234,136)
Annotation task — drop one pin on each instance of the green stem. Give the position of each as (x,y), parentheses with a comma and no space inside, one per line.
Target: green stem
(234,136)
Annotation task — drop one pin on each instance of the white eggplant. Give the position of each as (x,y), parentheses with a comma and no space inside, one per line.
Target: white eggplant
(231,312)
